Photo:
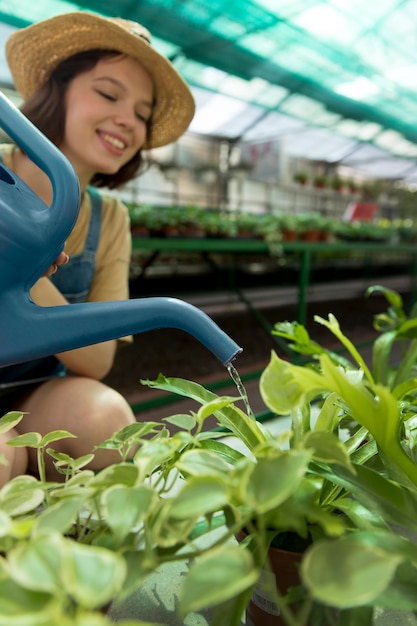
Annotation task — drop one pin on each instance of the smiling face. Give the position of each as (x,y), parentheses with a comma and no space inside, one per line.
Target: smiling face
(108,110)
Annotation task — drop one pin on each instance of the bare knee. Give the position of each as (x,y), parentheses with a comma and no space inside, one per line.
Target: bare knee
(86,408)
(111,410)
(15,459)
(107,414)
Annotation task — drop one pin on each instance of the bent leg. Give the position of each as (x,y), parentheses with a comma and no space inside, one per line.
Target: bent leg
(86,408)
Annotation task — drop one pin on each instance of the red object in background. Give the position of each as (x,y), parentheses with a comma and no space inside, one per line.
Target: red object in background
(360,211)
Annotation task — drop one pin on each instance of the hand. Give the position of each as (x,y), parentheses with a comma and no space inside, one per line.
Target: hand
(62,259)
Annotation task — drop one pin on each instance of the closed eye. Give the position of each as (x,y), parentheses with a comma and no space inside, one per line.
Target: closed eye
(142,117)
(106,95)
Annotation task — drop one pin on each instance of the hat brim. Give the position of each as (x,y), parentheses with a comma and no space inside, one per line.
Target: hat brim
(34,52)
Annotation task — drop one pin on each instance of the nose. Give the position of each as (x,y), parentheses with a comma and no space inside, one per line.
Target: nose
(126,116)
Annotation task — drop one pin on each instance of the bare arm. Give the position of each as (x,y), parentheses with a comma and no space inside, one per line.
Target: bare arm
(93,361)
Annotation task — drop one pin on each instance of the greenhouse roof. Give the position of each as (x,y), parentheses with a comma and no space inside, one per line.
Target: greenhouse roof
(337,77)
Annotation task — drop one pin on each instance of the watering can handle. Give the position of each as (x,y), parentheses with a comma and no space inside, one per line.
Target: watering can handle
(65,184)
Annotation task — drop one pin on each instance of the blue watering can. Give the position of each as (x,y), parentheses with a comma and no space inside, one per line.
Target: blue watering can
(31,237)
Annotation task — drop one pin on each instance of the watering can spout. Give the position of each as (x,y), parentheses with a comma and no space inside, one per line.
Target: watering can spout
(31,230)
(63,328)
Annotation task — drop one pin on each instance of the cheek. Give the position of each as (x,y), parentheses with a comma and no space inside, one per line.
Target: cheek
(142,134)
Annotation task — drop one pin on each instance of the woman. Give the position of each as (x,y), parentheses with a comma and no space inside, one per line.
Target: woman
(97,89)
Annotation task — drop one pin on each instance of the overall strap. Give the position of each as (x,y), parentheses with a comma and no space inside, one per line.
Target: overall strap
(93,235)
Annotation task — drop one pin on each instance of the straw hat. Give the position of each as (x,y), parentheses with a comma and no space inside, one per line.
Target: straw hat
(34,52)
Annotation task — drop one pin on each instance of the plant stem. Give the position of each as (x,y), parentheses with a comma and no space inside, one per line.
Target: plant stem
(40,454)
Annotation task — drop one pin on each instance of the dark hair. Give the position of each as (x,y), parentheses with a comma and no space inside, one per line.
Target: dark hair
(46,110)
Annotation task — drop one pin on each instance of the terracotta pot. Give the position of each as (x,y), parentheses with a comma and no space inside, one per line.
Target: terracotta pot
(139,231)
(262,609)
(310,235)
(289,235)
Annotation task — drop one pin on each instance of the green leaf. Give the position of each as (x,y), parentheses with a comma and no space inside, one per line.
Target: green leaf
(117,474)
(329,415)
(333,325)
(380,356)
(393,298)
(5,524)
(357,616)
(198,496)
(217,576)
(59,516)
(231,611)
(27,440)
(269,482)
(222,450)
(327,448)
(56,435)
(202,462)
(230,417)
(37,565)
(284,387)
(347,572)
(92,575)
(126,507)
(21,495)
(377,493)
(402,591)
(218,403)
(156,452)
(22,607)
(10,420)
(181,420)
(408,387)
(408,329)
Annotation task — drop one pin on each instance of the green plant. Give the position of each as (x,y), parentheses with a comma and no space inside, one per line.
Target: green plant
(344,476)
(354,496)
(378,402)
(71,548)
(363,231)
(312,222)
(247,224)
(320,181)
(301,177)
(216,223)
(335,182)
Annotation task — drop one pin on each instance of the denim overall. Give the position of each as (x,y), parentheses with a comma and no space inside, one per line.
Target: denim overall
(73,281)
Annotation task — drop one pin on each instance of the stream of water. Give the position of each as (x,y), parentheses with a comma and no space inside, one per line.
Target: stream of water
(241,388)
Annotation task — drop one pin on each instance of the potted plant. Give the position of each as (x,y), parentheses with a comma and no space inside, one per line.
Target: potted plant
(320,181)
(355,499)
(71,548)
(288,224)
(311,226)
(139,219)
(336,182)
(216,224)
(301,177)
(247,225)
(351,185)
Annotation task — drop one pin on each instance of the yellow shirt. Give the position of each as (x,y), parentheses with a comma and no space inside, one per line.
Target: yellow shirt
(111,276)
